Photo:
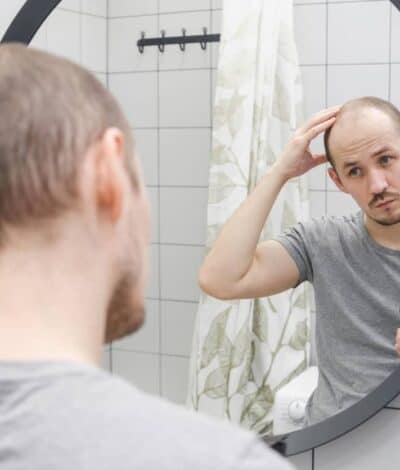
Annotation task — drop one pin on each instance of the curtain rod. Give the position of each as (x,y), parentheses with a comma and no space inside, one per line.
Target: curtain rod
(182,40)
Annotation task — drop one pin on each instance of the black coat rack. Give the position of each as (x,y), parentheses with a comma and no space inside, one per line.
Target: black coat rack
(182,40)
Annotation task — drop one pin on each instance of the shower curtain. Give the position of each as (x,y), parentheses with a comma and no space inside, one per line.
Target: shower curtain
(244,351)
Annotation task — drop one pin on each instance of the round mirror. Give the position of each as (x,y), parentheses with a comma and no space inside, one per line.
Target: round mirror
(167,91)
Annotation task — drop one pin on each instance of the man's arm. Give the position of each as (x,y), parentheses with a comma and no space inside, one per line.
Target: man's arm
(238,266)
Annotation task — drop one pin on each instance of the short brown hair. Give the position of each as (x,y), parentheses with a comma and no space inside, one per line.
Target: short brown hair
(51,111)
(361,103)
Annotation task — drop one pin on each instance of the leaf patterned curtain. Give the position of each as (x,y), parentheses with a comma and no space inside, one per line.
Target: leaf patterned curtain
(244,351)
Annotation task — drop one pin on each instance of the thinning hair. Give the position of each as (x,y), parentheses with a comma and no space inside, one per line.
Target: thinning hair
(357,105)
(51,112)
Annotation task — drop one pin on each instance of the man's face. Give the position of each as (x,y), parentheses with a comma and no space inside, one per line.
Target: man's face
(366,150)
(126,311)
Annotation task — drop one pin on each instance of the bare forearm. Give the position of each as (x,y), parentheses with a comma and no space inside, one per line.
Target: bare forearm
(233,251)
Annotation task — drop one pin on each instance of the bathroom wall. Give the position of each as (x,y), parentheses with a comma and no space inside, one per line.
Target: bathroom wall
(347,48)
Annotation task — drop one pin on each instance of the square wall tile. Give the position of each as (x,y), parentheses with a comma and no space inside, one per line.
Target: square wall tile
(317,177)
(8,12)
(146,339)
(302,461)
(177,327)
(184,157)
(358,32)
(167,6)
(152,290)
(175,377)
(395,84)
(372,445)
(193,56)
(317,203)
(64,34)
(147,151)
(95,7)
(94,43)
(123,53)
(137,95)
(395,34)
(310,33)
(179,267)
(346,82)
(70,5)
(39,40)
(314,89)
(106,360)
(339,203)
(183,215)
(154,214)
(396,402)
(142,370)
(216,4)
(132,8)
(185,98)
(102,77)
(216,28)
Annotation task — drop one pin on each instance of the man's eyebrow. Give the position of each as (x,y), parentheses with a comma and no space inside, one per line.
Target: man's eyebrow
(375,154)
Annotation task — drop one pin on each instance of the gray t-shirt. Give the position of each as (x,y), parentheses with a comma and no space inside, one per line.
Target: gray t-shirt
(67,415)
(357,298)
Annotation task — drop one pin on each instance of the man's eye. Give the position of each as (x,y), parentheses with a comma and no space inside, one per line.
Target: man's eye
(354,171)
(385,159)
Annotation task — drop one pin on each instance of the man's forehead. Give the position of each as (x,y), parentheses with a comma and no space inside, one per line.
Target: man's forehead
(366,130)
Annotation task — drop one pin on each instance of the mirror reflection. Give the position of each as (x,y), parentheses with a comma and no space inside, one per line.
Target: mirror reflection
(272,297)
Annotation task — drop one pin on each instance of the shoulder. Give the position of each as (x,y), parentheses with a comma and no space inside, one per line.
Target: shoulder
(151,433)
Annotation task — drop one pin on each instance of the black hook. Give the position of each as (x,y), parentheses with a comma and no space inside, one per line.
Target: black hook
(140,46)
(203,44)
(161,46)
(182,45)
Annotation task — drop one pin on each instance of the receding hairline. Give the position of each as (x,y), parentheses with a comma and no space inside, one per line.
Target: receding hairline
(356,107)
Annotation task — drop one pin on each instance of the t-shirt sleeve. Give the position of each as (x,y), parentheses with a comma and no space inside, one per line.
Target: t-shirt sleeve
(296,240)
(260,457)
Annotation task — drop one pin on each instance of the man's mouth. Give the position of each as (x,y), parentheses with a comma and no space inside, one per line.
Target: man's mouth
(385,204)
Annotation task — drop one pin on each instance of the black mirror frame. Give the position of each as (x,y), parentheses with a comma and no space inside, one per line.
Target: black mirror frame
(22,29)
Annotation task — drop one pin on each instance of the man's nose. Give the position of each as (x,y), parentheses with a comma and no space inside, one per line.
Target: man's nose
(377,181)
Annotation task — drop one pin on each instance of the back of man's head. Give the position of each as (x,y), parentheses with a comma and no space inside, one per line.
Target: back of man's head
(51,112)
(352,109)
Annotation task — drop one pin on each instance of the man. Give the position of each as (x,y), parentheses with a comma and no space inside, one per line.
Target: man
(352,261)
(73,259)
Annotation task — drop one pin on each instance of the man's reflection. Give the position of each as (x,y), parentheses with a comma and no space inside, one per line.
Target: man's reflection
(352,261)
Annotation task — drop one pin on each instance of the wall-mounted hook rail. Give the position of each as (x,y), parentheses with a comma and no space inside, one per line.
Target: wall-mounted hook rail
(182,40)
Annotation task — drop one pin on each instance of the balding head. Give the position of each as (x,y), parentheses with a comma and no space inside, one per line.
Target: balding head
(351,115)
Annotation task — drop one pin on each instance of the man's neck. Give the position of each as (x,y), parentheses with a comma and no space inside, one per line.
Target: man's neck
(385,235)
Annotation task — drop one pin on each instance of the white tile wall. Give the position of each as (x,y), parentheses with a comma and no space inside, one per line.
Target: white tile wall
(154,208)
(94,43)
(179,266)
(123,54)
(188,150)
(183,215)
(373,445)
(167,6)
(185,98)
(147,151)
(358,32)
(310,32)
(177,324)
(64,34)
(141,369)
(94,7)
(137,95)
(132,8)
(8,12)
(174,378)
(193,56)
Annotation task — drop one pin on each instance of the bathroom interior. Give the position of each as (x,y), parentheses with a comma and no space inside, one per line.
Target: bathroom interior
(345,48)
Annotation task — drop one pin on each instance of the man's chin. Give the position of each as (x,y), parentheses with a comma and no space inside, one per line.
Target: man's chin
(121,326)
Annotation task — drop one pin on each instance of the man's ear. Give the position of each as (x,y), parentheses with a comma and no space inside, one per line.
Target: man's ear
(109,174)
(335,178)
